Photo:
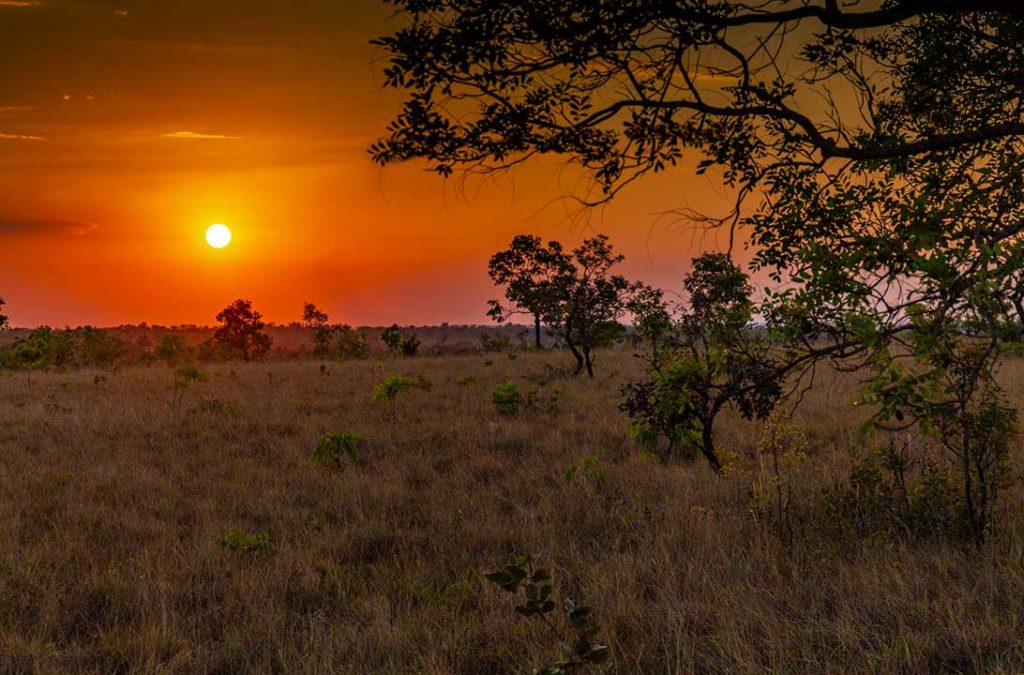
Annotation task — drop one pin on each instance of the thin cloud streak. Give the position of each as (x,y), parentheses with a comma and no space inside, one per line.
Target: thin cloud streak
(20,137)
(194,136)
(71,228)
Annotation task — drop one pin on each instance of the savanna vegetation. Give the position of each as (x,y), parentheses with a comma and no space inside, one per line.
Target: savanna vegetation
(305,527)
(821,474)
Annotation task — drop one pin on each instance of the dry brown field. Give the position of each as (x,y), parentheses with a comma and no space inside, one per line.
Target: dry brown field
(114,502)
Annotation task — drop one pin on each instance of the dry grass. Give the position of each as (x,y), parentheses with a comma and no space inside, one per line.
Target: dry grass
(112,505)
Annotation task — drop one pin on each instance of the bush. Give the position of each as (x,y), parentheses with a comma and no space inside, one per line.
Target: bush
(238,541)
(507,399)
(335,447)
(391,386)
(398,343)
(892,494)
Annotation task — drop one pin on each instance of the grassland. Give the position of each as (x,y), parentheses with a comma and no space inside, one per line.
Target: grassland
(113,504)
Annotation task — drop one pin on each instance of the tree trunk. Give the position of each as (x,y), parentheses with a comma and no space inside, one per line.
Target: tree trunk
(589,362)
(536,330)
(707,447)
(575,352)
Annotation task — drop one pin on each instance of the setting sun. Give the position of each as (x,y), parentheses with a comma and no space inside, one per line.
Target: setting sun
(218,236)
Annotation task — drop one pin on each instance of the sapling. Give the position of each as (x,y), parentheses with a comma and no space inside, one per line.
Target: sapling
(575,631)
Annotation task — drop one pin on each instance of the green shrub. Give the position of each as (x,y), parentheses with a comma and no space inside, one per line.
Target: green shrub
(240,542)
(389,389)
(335,447)
(507,399)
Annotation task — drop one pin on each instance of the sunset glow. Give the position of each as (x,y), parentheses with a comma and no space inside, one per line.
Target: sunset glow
(120,143)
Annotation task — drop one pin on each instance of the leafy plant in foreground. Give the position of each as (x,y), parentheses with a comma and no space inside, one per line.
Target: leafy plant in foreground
(575,631)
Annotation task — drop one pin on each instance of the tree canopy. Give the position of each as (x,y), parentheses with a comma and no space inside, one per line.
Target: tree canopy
(241,330)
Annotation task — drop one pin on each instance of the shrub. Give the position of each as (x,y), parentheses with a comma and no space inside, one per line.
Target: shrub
(171,349)
(507,399)
(891,493)
(391,386)
(398,343)
(574,632)
(335,447)
(240,542)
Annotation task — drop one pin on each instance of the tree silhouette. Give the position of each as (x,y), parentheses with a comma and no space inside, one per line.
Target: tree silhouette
(533,275)
(312,316)
(593,300)
(315,319)
(241,330)
(3,317)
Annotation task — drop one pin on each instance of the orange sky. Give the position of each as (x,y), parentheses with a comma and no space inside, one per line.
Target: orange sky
(127,128)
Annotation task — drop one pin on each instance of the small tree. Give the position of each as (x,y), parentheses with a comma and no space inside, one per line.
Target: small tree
(534,277)
(712,358)
(590,302)
(652,319)
(312,316)
(316,320)
(241,330)
(3,317)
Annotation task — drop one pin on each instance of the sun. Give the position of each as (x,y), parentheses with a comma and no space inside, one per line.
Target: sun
(218,236)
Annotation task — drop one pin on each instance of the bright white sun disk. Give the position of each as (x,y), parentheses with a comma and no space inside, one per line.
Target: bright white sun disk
(218,236)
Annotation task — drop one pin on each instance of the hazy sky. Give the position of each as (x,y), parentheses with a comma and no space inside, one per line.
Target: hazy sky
(126,128)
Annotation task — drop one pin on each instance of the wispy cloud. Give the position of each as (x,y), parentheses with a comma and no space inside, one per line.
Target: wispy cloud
(14,108)
(20,137)
(195,136)
(58,226)
(21,4)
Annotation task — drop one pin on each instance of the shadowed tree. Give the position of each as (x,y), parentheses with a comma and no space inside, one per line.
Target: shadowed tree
(241,330)
(313,316)
(316,320)
(3,317)
(591,302)
(533,275)
(711,358)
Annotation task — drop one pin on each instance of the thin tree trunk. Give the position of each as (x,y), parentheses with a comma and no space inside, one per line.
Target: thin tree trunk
(707,447)
(536,330)
(589,362)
